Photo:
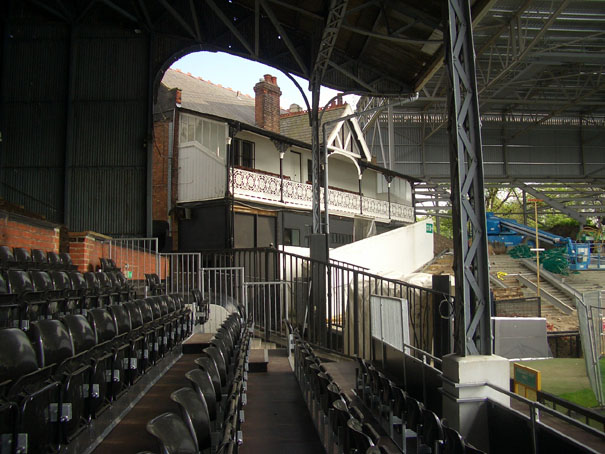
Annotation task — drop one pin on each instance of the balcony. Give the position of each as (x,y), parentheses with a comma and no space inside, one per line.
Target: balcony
(266,188)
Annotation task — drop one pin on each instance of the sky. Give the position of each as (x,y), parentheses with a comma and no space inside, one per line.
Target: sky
(241,74)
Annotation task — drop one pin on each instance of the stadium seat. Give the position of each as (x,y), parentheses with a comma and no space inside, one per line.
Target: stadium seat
(202,384)
(172,433)
(23,258)
(66,261)
(194,412)
(7,258)
(40,259)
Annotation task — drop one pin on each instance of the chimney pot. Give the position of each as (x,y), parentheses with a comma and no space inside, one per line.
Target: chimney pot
(268,78)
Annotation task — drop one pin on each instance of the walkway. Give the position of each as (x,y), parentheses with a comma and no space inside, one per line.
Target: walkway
(277,419)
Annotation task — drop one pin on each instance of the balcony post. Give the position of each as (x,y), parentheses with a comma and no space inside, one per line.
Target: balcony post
(281,176)
(360,195)
(389,179)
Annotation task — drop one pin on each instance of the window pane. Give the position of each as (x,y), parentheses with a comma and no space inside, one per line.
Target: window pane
(183,129)
(198,129)
(206,141)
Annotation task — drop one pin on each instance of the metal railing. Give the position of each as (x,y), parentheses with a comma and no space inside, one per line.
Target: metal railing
(330,302)
(136,257)
(224,286)
(266,306)
(182,271)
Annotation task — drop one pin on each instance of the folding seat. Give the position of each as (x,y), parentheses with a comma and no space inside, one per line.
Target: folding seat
(162,325)
(340,417)
(105,329)
(105,266)
(432,436)
(194,412)
(66,261)
(23,258)
(33,302)
(153,327)
(123,285)
(360,442)
(7,258)
(55,301)
(54,347)
(208,365)
(202,384)
(172,434)
(70,296)
(134,339)
(413,417)
(10,308)
(99,296)
(172,316)
(35,395)
(84,340)
(141,335)
(80,287)
(40,259)
(219,360)
(54,261)
(202,306)
(108,287)
(155,284)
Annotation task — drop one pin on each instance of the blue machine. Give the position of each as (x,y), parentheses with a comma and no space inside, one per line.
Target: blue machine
(512,233)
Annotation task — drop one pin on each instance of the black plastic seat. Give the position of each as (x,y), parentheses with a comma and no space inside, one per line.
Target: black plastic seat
(135,339)
(154,329)
(80,286)
(453,443)
(66,261)
(40,259)
(104,326)
(194,412)
(202,385)
(32,301)
(23,258)
(172,433)
(54,261)
(55,302)
(208,365)
(432,431)
(10,309)
(7,258)
(100,295)
(85,343)
(70,297)
(359,441)
(34,391)
(219,360)
(54,347)
(155,284)
(138,329)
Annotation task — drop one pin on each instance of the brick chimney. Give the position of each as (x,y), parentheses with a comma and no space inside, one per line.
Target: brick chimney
(266,103)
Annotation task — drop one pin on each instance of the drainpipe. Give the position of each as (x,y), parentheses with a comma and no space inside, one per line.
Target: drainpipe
(281,176)
(325,182)
(169,176)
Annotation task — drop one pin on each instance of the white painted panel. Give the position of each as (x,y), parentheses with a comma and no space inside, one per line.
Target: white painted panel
(201,175)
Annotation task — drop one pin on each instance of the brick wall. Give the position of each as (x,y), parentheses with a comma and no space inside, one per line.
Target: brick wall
(86,248)
(20,231)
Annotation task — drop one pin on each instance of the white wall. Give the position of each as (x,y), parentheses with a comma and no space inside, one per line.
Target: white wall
(201,176)
(266,156)
(391,254)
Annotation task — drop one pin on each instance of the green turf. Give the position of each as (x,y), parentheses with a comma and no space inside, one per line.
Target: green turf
(566,378)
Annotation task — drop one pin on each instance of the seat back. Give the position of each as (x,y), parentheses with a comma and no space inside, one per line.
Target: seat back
(60,280)
(66,260)
(172,433)
(4,289)
(82,334)
(146,311)
(155,307)
(78,281)
(17,355)
(92,280)
(7,258)
(23,257)
(208,365)
(104,280)
(102,323)
(51,341)
(194,413)
(121,318)
(136,318)
(42,281)
(54,261)
(40,258)
(202,385)
(20,281)
(219,360)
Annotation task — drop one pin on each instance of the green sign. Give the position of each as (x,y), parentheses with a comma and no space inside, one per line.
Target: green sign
(527,377)
(129,274)
(429,228)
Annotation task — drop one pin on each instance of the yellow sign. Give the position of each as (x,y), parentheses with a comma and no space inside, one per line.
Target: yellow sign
(527,381)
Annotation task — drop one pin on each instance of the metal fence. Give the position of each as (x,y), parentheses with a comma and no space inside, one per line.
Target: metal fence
(136,257)
(182,271)
(224,286)
(330,302)
(266,305)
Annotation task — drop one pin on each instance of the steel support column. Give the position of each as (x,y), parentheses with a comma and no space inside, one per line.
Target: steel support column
(316,158)
(471,266)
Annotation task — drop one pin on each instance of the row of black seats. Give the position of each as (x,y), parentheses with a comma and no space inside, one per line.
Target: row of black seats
(61,374)
(21,258)
(342,425)
(404,418)
(27,296)
(210,411)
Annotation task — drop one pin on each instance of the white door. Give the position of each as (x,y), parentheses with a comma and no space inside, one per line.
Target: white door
(292,168)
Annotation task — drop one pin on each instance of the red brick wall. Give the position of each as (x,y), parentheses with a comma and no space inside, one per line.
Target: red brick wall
(17,232)
(87,248)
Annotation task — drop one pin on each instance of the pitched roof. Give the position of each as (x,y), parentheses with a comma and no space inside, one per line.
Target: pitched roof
(296,125)
(203,96)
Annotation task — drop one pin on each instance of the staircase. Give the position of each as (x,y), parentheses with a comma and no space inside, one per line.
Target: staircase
(557,306)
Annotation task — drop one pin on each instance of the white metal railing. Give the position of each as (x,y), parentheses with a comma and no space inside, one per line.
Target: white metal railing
(268,188)
(181,271)
(224,286)
(136,257)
